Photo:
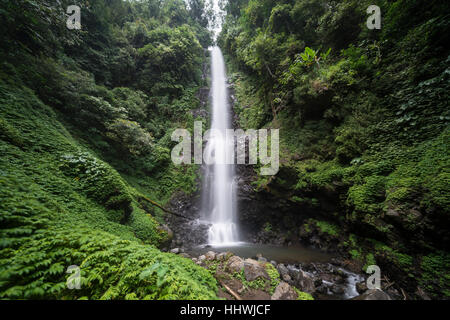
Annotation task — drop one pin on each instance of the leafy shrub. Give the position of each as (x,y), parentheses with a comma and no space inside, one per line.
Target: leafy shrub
(9,133)
(130,136)
(349,142)
(134,102)
(303,295)
(98,180)
(367,196)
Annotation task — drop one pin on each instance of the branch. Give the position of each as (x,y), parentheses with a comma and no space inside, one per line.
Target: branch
(268,69)
(164,209)
(234,294)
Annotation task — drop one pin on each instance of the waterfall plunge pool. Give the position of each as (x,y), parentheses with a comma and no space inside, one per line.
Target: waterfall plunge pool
(280,254)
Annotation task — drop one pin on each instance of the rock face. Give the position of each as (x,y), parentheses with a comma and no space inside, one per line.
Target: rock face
(271,206)
(374,294)
(284,292)
(253,270)
(186,232)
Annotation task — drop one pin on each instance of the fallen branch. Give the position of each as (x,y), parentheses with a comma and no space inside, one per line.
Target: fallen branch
(234,294)
(404,295)
(388,285)
(164,209)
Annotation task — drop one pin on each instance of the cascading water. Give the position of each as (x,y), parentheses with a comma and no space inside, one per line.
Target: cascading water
(219,194)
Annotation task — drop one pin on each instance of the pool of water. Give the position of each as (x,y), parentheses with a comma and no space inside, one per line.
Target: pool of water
(281,254)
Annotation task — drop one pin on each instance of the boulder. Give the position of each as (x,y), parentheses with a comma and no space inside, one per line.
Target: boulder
(175,250)
(361,287)
(210,255)
(337,289)
(287,277)
(253,270)
(201,258)
(374,294)
(304,282)
(284,292)
(262,260)
(282,269)
(235,264)
(221,256)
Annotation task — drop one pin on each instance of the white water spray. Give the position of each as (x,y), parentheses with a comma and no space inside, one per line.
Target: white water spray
(219,191)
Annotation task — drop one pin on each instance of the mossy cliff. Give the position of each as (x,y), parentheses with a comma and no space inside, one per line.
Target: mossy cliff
(364,132)
(83,142)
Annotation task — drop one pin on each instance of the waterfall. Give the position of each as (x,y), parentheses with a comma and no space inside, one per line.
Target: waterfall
(219,191)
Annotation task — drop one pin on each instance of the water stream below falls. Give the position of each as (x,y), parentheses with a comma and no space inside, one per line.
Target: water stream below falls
(281,254)
(219,190)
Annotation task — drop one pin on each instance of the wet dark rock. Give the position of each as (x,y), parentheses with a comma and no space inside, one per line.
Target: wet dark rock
(318,282)
(322,290)
(188,232)
(374,294)
(282,270)
(304,281)
(338,290)
(323,280)
(361,287)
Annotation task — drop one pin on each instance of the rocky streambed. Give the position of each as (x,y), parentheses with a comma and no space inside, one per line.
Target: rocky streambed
(257,278)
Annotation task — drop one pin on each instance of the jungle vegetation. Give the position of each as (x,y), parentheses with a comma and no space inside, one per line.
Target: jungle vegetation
(86,117)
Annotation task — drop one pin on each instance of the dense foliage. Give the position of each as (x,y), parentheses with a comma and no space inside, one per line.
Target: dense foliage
(86,118)
(85,123)
(364,123)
